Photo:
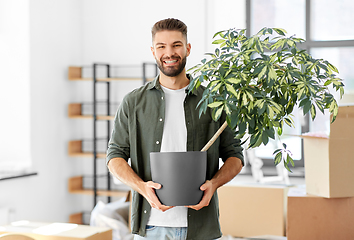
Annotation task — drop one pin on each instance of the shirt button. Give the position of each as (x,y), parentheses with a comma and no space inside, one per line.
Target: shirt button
(157,142)
(160,119)
(161,98)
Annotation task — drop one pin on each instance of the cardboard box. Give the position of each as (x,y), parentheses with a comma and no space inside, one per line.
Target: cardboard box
(253,209)
(57,231)
(329,162)
(313,217)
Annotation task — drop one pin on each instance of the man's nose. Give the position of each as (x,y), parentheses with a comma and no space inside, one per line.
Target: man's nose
(169,52)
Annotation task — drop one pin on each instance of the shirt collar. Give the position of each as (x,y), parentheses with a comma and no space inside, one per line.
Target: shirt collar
(156,84)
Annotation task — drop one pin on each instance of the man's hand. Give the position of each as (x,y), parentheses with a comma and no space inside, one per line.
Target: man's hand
(232,166)
(121,170)
(150,196)
(208,188)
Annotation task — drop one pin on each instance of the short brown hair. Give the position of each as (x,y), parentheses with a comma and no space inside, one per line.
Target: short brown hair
(170,24)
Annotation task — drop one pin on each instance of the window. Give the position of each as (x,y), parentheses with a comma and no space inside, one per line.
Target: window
(342,58)
(332,20)
(289,15)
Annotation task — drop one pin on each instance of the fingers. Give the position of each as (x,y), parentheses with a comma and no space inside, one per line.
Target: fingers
(154,185)
(203,203)
(152,198)
(207,188)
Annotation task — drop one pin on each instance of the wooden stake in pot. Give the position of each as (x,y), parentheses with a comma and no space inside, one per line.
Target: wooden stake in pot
(213,139)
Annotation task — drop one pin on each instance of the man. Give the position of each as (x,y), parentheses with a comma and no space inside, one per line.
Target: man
(162,116)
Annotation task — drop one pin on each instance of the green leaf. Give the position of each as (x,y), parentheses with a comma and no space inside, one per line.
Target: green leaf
(261,108)
(244,99)
(233,80)
(320,105)
(276,151)
(259,46)
(261,74)
(219,33)
(280,31)
(287,167)
(216,88)
(290,159)
(242,127)
(307,107)
(218,41)
(289,122)
(272,73)
(249,95)
(215,104)
(218,113)
(335,112)
(265,138)
(270,132)
(313,112)
(278,157)
(332,67)
(217,52)
(231,89)
(280,131)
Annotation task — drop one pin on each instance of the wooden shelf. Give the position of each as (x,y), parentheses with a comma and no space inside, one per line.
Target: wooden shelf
(75,150)
(75,74)
(75,186)
(75,111)
(76,218)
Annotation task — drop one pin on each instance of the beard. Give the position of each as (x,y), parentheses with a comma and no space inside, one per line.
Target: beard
(172,71)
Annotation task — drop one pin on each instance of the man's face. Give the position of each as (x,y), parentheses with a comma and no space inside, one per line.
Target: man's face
(170,50)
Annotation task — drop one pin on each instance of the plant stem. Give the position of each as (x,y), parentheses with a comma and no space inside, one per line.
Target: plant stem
(213,139)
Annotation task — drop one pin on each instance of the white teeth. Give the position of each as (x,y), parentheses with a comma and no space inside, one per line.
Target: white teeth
(171,61)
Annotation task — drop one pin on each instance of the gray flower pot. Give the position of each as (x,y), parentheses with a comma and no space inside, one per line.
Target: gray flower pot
(181,174)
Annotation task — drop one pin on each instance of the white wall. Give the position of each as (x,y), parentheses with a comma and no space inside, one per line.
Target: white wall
(54,41)
(120,31)
(14,100)
(15,82)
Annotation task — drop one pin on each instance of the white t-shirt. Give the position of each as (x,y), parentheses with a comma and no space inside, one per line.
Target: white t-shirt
(174,139)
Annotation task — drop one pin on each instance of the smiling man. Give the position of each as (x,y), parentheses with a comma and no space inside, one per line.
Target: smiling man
(162,116)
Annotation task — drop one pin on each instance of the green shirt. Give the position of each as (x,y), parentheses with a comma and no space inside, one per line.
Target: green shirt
(137,131)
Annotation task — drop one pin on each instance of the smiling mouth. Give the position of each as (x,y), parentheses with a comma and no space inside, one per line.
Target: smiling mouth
(170,62)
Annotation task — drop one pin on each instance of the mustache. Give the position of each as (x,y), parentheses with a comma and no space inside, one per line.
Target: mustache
(169,58)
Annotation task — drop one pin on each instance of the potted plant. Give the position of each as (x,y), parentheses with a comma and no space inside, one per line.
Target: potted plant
(257,81)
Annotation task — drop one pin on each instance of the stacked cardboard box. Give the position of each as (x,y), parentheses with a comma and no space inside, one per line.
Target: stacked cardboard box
(248,210)
(313,217)
(326,209)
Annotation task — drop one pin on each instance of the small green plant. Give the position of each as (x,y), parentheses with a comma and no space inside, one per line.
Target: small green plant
(257,81)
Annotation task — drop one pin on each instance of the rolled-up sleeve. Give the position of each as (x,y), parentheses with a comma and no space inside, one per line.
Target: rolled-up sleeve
(119,145)
(229,145)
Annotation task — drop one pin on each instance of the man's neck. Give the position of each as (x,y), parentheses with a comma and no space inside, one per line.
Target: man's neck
(178,82)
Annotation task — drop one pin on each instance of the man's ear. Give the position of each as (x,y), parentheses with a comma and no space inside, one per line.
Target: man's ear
(153,51)
(189,46)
